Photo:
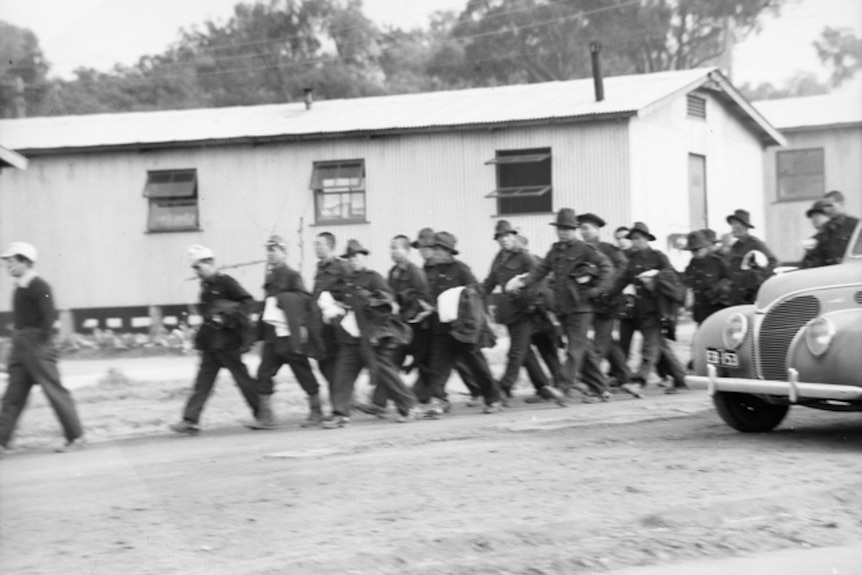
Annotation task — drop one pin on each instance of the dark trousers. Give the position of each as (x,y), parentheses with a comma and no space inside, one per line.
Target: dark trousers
(545,342)
(276,354)
(608,348)
(521,355)
(211,363)
(382,371)
(34,363)
(420,349)
(581,358)
(655,346)
(445,349)
(329,356)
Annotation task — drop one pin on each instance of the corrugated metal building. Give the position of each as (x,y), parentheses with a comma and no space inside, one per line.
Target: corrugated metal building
(113,201)
(824,152)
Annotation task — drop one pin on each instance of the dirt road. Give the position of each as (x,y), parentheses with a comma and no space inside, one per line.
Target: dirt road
(535,490)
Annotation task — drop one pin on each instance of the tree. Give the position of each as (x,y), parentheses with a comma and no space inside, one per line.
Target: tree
(22,68)
(801,84)
(513,41)
(841,50)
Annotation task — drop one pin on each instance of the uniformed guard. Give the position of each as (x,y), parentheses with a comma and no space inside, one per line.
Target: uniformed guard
(512,311)
(369,337)
(285,299)
(222,338)
(566,260)
(644,266)
(33,358)
(815,247)
(447,344)
(608,305)
(329,277)
(706,275)
(838,230)
(749,261)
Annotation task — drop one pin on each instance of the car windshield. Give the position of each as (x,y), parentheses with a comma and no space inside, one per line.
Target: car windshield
(857,244)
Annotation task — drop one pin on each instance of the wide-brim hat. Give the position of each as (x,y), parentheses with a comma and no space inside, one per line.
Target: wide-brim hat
(742,216)
(710,235)
(425,239)
(819,207)
(446,241)
(640,228)
(503,228)
(566,218)
(592,219)
(354,247)
(22,249)
(696,241)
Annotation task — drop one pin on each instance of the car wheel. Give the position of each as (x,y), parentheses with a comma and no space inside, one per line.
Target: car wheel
(748,413)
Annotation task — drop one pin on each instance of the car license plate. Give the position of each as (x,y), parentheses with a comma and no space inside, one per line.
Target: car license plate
(722,357)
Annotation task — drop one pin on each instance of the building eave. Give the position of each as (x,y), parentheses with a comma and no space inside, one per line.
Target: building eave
(322,136)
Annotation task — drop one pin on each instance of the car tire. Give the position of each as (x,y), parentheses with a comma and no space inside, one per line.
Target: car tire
(748,413)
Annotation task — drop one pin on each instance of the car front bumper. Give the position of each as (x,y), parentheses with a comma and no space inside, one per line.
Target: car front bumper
(793,389)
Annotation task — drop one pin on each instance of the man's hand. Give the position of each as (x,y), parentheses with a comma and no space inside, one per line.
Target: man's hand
(515,284)
(427,310)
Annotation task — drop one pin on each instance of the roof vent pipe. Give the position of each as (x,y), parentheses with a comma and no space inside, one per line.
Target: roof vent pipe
(598,80)
(309,99)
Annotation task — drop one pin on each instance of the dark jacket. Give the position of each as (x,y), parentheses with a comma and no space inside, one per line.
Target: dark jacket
(282,279)
(563,260)
(368,295)
(330,276)
(303,323)
(836,235)
(473,325)
(444,275)
(33,310)
(747,282)
(225,307)
(710,283)
(511,307)
(610,302)
(646,301)
(408,282)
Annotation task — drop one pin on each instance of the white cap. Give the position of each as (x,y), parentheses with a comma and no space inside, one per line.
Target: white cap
(198,253)
(21,249)
(649,274)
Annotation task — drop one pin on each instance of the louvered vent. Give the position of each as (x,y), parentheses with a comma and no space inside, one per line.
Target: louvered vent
(857,297)
(696,106)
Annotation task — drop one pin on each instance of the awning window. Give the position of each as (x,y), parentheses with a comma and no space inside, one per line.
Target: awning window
(523,192)
(524,159)
(171,184)
(338,177)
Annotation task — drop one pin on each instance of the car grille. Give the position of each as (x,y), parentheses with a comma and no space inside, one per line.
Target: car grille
(857,297)
(780,325)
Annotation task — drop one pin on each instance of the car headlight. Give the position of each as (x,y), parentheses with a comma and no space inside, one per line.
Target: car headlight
(735,328)
(818,335)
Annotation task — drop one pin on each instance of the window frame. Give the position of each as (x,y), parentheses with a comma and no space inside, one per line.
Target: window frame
(348,189)
(780,194)
(159,198)
(523,192)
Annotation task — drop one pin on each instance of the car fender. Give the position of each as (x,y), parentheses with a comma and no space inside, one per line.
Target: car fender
(841,364)
(708,335)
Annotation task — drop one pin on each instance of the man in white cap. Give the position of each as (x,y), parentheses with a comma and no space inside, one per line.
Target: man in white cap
(33,359)
(222,338)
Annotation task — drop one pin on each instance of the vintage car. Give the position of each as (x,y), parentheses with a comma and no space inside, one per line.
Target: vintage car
(799,344)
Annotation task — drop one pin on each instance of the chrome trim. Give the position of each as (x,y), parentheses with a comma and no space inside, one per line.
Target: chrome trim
(817,289)
(779,388)
(793,380)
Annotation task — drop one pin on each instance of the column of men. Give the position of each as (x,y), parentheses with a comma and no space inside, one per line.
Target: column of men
(435,314)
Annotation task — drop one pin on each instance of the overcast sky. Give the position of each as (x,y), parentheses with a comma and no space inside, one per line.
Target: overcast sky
(100,33)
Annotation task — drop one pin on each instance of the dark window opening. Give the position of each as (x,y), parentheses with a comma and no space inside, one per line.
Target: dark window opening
(173,199)
(523,181)
(339,191)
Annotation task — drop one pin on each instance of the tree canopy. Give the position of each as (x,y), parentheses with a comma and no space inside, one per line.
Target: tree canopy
(270,51)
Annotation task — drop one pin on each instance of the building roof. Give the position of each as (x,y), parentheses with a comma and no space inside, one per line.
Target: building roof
(571,100)
(10,159)
(813,111)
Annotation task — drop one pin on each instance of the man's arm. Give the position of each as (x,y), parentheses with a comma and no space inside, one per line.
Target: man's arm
(47,312)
